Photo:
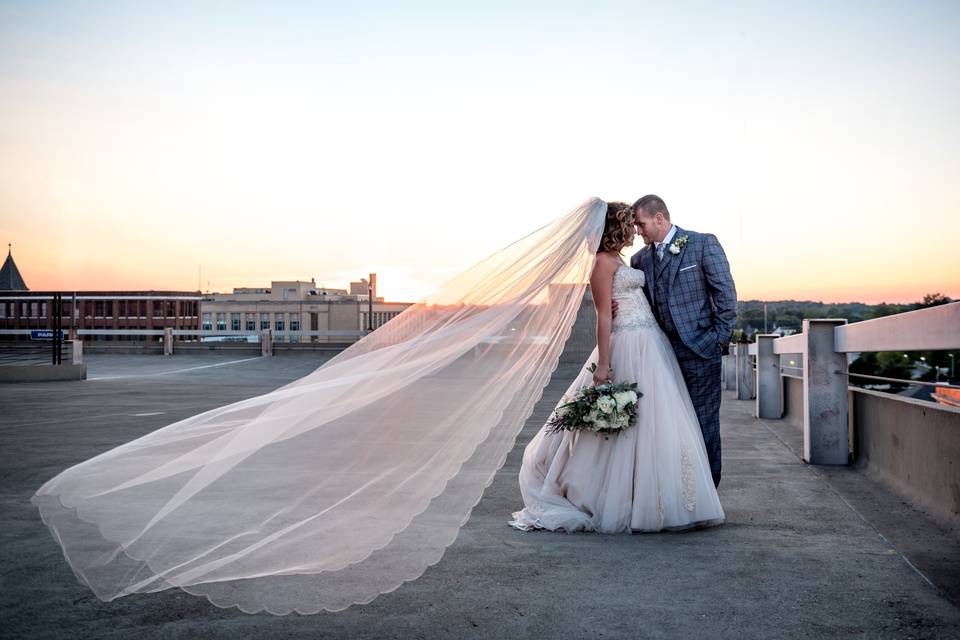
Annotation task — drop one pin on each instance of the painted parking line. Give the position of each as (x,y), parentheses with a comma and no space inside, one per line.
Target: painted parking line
(164,373)
(149,413)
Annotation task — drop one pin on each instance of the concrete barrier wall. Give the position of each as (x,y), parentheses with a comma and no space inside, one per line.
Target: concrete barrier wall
(909,446)
(238,348)
(793,401)
(42,372)
(913,448)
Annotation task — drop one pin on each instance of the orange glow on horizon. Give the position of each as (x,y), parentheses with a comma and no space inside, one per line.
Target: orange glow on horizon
(42,273)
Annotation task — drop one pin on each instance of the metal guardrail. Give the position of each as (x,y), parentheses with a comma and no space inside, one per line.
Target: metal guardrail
(198,332)
(931,329)
(789,344)
(919,383)
(823,349)
(28,353)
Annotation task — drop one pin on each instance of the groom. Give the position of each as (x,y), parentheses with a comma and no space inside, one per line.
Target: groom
(691,292)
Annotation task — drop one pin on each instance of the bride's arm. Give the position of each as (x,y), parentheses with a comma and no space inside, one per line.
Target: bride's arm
(601,286)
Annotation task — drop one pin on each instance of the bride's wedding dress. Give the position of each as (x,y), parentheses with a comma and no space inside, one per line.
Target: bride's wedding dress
(652,476)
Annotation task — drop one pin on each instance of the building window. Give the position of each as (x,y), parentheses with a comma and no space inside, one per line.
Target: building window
(207,322)
(157,309)
(171,309)
(264,321)
(143,309)
(221,321)
(235,322)
(279,325)
(294,322)
(250,322)
(3,309)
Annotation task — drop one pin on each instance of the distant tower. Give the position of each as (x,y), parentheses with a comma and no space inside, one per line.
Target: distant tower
(373,286)
(10,278)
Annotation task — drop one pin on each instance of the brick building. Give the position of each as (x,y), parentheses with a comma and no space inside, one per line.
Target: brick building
(100,310)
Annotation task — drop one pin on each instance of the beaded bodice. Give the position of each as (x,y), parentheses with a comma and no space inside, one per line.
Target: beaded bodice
(633,310)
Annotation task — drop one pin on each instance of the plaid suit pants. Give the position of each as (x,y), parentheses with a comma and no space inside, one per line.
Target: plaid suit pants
(702,376)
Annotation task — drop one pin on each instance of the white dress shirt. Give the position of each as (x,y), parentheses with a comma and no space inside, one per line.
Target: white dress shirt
(667,239)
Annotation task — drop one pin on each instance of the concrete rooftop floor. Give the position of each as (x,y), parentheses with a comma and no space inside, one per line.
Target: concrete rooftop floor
(807,552)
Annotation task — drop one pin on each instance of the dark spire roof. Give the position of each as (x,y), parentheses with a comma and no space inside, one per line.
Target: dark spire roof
(10,278)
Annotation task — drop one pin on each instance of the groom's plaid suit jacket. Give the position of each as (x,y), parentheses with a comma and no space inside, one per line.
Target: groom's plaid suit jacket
(693,293)
(700,295)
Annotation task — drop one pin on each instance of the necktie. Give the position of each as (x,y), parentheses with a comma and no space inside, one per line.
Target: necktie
(660,251)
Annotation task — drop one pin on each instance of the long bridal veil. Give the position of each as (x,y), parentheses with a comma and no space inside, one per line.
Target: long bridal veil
(352,480)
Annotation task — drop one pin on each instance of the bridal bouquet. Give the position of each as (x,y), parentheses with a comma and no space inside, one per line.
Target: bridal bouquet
(602,408)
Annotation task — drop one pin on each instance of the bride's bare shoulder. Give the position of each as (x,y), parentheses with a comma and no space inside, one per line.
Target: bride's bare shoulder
(607,262)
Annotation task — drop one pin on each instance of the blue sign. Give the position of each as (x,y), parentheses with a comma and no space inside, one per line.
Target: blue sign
(45,334)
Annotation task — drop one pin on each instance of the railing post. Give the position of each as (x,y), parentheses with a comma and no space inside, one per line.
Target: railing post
(77,349)
(266,343)
(744,372)
(825,439)
(730,370)
(769,385)
(168,341)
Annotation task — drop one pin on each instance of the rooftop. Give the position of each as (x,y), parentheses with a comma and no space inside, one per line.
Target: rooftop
(807,551)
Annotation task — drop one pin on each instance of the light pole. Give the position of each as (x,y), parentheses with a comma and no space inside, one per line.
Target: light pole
(369,307)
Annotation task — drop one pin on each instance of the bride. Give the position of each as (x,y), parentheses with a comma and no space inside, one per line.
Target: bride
(652,476)
(346,483)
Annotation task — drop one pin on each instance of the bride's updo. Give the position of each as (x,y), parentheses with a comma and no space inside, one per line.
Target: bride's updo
(619,228)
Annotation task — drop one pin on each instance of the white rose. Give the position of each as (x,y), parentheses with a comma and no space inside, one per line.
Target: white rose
(623,398)
(606,404)
(674,249)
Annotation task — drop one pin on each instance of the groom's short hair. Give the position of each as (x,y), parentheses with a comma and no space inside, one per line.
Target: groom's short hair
(650,205)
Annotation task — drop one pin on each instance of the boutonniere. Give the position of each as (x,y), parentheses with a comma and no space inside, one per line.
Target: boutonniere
(678,244)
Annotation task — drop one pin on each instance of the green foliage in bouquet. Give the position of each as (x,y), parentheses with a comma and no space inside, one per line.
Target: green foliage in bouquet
(601,408)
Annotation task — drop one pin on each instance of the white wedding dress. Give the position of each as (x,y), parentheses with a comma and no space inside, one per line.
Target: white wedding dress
(654,475)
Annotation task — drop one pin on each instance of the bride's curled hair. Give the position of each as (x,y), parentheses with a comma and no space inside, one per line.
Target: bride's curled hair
(619,228)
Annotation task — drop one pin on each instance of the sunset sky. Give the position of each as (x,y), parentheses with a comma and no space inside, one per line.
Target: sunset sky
(290,140)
